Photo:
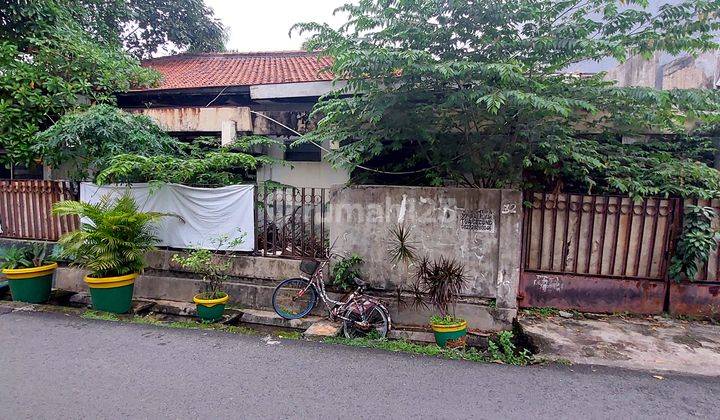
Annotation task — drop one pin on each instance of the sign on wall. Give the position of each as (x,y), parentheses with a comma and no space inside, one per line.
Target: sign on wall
(201,213)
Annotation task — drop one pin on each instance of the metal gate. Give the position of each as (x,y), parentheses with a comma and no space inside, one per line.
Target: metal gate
(597,253)
(291,222)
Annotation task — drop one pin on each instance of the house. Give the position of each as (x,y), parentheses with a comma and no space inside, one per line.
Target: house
(232,94)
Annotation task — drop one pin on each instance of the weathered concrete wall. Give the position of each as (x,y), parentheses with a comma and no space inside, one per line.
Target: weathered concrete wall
(479,228)
(663,71)
(190,119)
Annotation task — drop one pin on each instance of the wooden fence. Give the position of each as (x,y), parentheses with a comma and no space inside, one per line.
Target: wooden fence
(26,209)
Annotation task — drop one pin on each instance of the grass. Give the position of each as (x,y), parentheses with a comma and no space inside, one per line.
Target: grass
(184,324)
(290,335)
(403,346)
(542,312)
(104,316)
(501,349)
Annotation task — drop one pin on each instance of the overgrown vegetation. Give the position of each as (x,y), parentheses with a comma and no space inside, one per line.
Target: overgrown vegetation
(88,140)
(57,56)
(100,315)
(502,351)
(178,324)
(481,94)
(200,163)
(345,271)
(697,241)
(114,239)
(542,312)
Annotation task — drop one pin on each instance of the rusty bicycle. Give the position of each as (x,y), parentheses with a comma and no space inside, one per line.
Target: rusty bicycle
(361,315)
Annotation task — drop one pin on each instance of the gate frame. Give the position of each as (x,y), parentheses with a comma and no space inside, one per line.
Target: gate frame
(602,293)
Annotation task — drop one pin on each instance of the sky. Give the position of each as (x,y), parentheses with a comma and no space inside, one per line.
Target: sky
(263,25)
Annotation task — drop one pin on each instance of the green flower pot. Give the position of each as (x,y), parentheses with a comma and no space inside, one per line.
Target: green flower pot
(210,310)
(112,294)
(32,285)
(450,335)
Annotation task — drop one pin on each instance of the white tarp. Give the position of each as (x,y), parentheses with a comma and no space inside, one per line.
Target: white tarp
(204,213)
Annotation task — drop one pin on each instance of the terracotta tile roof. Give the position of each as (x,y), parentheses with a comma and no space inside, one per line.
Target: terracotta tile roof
(187,71)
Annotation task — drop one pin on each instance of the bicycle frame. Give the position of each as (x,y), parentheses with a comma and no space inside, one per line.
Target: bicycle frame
(316,281)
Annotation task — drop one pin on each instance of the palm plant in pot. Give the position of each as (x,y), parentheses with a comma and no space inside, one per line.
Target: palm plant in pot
(29,270)
(111,243)
(214,269)
(440,281)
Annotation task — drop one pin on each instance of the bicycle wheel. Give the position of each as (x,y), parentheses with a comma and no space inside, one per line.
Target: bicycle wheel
(293,299)
(375,324)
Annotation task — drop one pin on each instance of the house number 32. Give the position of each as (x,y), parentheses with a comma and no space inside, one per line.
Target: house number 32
(509,208)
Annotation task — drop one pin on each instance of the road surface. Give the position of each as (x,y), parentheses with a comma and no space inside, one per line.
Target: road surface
(57,366)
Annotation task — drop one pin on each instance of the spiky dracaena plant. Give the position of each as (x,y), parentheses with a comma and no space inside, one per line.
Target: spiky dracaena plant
(441,280)
(113,238)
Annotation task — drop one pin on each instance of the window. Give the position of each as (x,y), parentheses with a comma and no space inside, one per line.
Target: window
(305,152)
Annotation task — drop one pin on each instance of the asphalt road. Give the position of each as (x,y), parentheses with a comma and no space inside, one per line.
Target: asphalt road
(56,366)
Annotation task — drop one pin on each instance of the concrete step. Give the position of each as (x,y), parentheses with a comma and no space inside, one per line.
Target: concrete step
(323,328)
(256,316)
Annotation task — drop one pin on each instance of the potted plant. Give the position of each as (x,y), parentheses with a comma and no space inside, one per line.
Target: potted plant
(211,301)
(111,243)
(440,281)
(29,271)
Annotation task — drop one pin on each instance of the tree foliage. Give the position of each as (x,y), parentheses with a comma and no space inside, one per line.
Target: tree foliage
(146,27)
(474,92)
(201,163)
(58,55)
(694,246)
(89,139)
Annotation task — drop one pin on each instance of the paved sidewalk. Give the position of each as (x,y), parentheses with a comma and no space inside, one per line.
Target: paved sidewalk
(61,366)
(652,343)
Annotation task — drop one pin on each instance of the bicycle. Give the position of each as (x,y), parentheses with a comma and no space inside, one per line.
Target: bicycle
(361,315)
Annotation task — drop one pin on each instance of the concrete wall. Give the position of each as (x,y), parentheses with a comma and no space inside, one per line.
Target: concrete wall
(479,228)
(253,282)
(666,72)
(304,174)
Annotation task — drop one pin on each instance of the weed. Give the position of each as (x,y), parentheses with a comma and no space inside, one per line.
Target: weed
(403,346)
(542,312)
(104,316)
(238,329)
(290,335)
(189,325)
(193,325)
(564,362)
(145,320)
(504,350)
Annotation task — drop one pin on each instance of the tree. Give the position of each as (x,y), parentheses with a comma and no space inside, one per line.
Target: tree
(60,55)
(146,27)
(474,92)
(142,28)
(87,140)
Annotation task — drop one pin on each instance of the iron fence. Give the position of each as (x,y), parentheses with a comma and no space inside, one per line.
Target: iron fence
(291,222)
(604,236)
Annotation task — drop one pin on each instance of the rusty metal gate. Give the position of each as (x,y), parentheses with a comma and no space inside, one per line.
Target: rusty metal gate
(291,222)
(700,297)
(597,253)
